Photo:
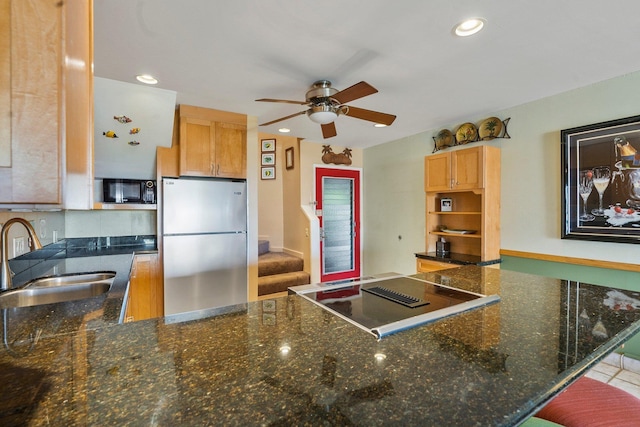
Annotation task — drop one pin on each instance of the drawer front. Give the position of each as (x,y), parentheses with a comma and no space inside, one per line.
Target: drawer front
(425,265)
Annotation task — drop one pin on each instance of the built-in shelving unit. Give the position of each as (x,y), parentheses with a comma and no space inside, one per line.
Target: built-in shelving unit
(471,179)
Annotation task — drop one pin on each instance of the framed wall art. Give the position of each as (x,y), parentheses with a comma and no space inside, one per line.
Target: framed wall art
(288,157)
(268,145)
(601,181)
(268,173)
(268,159)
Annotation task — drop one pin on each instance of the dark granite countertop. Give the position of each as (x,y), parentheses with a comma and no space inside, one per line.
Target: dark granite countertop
(286,361)
(456,258)
(75,256)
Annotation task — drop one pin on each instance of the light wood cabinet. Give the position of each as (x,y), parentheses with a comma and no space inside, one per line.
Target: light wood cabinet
(35,58)
(455,170)
(212,143)
(45,59)
(146,296)
(427,265)
(471,179)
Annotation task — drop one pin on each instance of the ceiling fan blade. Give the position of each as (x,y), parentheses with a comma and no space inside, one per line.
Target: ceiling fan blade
(329,130)
(358,90)
(283,118)
(369,115)
(287,101)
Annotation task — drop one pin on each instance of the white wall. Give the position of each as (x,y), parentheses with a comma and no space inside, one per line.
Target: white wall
(252,218)
(394,203)
(150,109)
(531,180)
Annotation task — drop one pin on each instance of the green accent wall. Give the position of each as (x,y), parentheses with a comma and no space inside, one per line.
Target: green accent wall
(627,280)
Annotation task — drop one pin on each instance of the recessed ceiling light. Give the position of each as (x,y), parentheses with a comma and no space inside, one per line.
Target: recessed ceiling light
(469,27)
(380,125)
(147,79)
(284,130)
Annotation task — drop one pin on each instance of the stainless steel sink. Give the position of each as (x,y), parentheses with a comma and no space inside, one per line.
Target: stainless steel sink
(71,279)
(49,290)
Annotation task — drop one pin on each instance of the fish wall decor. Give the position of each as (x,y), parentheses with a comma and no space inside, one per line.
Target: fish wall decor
(122,119)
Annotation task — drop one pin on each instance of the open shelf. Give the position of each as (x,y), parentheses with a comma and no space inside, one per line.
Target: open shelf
(454,213)
(455,235)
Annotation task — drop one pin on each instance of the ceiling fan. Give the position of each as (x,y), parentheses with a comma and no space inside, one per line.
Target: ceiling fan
(326,103)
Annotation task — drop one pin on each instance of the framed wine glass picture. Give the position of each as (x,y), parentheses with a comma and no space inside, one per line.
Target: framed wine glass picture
(601,181)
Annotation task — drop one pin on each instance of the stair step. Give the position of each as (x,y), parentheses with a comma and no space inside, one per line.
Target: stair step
(280,282)
(277,263)
(263,247)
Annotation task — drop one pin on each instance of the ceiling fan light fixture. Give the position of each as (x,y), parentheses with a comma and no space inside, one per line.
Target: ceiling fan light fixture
(322,114)
(379,125)
(284,130)
(469,27)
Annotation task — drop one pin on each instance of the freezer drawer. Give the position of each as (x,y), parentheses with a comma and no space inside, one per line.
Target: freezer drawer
(204,271)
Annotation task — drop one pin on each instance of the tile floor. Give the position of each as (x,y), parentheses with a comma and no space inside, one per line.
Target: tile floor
(619,371)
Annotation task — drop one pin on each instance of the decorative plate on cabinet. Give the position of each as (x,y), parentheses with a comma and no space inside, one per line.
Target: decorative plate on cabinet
(467,132)
(490,128)
(443,139)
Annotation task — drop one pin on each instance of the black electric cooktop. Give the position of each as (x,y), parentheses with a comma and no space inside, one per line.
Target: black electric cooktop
(392,304)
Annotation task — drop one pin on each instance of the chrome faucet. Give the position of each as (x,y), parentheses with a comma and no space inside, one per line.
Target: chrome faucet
(34,243)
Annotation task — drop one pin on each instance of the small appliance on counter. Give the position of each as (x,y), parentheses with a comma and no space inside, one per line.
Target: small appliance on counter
(117,190)
(443,247)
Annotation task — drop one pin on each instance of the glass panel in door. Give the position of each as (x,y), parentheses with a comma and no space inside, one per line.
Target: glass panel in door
(339,214)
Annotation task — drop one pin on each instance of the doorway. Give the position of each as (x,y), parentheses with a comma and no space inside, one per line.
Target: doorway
(338,209)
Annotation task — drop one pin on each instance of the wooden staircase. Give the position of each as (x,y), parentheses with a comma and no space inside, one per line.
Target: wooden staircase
(277,271)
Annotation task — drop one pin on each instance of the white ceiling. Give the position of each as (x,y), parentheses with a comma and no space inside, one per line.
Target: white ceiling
(224,54)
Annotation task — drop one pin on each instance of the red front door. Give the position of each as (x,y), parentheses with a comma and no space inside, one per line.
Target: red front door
(338,208)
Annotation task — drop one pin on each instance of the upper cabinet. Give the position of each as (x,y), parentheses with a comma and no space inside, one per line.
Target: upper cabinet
(212,143)
(455,170)
(46,102)
(30,170)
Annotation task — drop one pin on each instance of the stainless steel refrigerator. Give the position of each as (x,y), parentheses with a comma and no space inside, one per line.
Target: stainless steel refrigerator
(204,232)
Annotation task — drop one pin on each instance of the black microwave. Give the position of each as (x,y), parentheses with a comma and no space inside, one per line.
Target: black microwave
(129,191)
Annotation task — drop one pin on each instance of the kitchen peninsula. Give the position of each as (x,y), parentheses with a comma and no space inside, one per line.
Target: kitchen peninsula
(287,361)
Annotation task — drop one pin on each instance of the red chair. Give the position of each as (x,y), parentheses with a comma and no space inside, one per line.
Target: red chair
(591,403)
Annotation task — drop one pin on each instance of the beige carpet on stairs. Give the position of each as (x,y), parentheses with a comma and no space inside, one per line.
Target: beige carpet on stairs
(277,271)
